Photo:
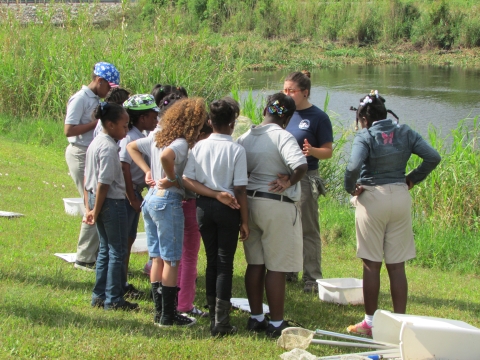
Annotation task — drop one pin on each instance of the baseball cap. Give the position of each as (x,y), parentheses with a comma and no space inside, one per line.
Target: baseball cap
(141,102)
(108,72)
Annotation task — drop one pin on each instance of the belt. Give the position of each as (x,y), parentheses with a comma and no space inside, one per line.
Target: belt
(266,195)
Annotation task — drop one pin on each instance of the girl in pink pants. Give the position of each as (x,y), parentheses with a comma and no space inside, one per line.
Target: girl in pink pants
(187,270)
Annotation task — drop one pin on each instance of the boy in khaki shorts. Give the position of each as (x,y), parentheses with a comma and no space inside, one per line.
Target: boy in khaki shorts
(276,165)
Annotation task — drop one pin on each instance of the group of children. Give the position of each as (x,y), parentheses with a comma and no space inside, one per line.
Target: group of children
(201,185)
(198,180)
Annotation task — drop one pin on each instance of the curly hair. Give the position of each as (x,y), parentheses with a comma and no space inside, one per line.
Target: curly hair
(182,120)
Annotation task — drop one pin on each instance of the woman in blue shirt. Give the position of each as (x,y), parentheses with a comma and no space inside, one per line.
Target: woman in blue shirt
(375,176)
(312,129)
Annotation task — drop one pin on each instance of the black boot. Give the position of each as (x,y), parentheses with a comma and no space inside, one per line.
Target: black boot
(157,300)
(211,311)
(170,316)
(222,319)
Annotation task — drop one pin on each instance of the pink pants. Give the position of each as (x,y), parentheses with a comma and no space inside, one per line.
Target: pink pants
(187,268)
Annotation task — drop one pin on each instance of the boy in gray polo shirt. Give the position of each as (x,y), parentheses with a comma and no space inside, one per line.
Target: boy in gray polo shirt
(79,126)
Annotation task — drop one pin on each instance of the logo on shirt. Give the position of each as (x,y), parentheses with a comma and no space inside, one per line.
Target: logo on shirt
(387,138)
(304,124)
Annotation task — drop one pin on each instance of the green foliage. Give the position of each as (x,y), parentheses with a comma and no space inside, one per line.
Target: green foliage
(438,26)
(435,23)
(41,66)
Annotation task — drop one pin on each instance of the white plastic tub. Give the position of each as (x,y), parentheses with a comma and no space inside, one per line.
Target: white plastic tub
(74,206)
(425,337)
(140,244)
(341,291)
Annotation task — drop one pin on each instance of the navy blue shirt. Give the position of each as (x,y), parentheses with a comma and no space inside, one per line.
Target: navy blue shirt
(314,125)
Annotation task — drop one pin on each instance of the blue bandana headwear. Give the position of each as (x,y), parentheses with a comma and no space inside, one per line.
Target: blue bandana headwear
(108,72)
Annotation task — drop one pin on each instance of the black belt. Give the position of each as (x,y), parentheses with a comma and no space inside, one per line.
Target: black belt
(266,195)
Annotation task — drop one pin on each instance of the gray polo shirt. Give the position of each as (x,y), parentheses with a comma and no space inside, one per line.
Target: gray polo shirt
(218,163)
(102,165)
(138,176)
(80,108)
(148,147)
(271,150)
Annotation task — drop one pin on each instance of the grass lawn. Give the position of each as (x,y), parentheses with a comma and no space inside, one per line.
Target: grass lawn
(45,304)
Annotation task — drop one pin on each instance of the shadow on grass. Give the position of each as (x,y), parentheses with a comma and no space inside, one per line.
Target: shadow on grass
(464,306)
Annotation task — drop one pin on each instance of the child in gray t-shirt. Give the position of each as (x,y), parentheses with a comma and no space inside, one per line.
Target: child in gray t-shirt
(105,189)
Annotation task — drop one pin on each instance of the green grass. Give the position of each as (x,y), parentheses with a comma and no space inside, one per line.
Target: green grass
(45,310)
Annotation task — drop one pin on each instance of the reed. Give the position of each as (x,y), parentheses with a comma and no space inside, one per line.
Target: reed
(42,65)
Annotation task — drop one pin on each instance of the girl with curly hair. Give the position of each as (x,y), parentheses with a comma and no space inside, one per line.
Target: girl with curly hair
(162,208)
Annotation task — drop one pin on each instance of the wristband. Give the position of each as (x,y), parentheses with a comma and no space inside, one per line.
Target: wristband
(176,177)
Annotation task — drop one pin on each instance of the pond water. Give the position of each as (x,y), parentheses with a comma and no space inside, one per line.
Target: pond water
(419,95)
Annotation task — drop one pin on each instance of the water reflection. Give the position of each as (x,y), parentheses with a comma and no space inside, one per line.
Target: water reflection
(419,95)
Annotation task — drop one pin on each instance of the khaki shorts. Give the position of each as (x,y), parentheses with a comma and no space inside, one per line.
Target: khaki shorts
(275,235)
(384,223)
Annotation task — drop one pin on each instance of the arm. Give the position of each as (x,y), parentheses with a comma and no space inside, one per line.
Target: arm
(241,196)
(80,129)
(130,192)
(75,111)
(92,215)
(137,157)
(325,151)
(284,181)
(357,157)
(431,158)
(85,198)
(200,189)
(168,164)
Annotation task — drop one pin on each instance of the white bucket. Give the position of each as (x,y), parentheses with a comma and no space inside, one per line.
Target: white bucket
(74,206)
(425,337)
(140,244)
(341,291)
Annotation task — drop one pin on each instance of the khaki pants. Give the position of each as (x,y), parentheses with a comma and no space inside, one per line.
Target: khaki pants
(87,247)
(312,245)
(383,223)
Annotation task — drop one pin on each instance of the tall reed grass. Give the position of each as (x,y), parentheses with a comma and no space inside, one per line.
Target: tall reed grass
(442,24)
(42,65)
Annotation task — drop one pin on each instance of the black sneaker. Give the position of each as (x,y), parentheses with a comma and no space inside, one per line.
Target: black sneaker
(132,292)
(291,276)
(196,312)
(310,287)
(125,306)
(275,332)
(257,326)
(84,266)
(98,303)
(178,320)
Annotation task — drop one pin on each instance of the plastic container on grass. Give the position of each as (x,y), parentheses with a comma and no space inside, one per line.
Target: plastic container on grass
(341,291)
(74,206)
(425,337)
(140,244)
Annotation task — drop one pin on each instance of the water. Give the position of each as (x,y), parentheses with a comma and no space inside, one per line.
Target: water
(419,95)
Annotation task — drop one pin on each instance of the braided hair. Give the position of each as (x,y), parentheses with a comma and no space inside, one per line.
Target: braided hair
(372,108)
(117,95)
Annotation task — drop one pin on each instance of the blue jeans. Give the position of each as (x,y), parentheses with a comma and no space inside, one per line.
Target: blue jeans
(164,223)
(132,216)
(110,269)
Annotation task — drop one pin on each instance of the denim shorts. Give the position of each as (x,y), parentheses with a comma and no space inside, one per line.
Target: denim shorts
(132,217)
(164,224)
